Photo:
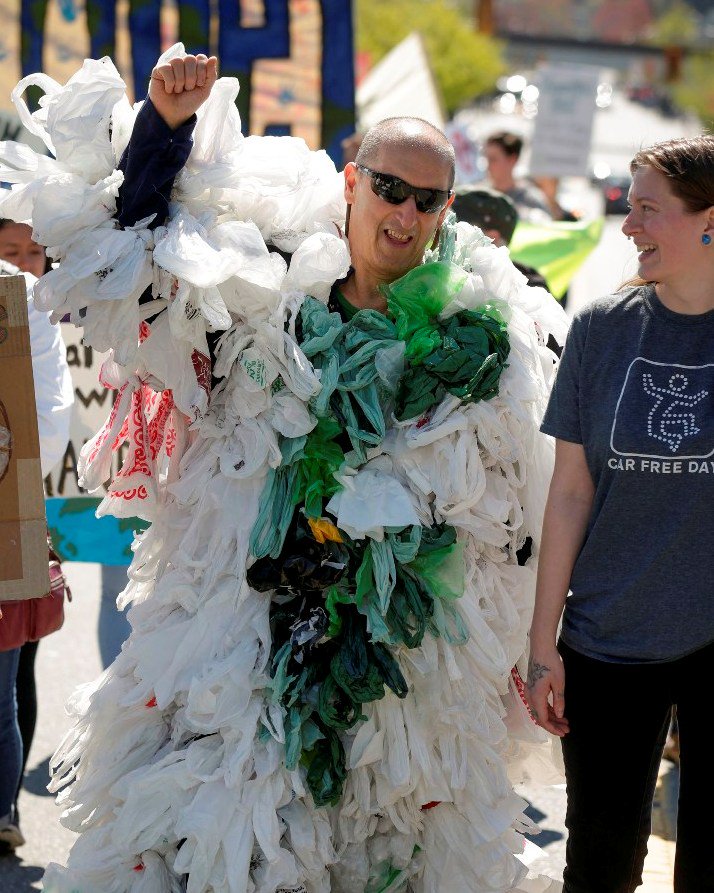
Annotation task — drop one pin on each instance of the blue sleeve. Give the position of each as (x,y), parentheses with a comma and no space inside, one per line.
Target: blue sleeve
(150,163)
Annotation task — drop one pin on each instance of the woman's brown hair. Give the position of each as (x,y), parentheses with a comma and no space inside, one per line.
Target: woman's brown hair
(688,164)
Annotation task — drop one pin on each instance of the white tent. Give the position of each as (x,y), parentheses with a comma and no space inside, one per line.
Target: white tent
(400,84)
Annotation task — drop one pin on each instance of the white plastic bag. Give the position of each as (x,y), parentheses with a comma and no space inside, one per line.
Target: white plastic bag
(321,260)
(370,501)
(73,121)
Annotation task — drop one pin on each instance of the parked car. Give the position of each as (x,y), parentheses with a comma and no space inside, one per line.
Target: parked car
(614,190)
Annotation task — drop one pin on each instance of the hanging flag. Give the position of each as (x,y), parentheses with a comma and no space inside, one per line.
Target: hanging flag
(556,249)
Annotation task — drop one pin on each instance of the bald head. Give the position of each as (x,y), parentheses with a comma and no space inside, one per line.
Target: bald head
(399,135)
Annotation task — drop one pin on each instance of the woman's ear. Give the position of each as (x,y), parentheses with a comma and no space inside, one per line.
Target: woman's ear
(709,229)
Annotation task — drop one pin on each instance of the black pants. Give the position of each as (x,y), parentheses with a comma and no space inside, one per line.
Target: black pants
(26,695)
(619,716)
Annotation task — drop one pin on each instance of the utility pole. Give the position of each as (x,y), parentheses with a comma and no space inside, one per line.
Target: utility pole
(483,16)
(673,55)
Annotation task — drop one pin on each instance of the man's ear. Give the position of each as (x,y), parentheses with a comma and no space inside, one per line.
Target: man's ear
(443,211)
(350,175)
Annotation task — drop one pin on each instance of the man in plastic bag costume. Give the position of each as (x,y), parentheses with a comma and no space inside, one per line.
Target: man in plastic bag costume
(326,609)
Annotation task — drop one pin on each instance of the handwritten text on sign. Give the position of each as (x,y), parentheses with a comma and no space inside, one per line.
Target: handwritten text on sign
(92,404)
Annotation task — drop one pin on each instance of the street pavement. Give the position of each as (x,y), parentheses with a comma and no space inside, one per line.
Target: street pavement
(94,629)
(547,807)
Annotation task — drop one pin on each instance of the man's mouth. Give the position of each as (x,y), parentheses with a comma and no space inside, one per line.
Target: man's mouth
(395,236)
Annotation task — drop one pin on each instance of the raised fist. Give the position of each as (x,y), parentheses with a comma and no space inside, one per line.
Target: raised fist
(180,87)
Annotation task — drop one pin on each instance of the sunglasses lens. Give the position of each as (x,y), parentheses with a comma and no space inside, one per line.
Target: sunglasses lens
(430,200)
(391,189)
(394,190)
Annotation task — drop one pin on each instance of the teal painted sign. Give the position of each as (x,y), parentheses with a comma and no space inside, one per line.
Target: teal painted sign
(78,535)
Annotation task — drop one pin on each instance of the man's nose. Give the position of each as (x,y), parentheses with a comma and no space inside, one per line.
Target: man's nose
(407,212)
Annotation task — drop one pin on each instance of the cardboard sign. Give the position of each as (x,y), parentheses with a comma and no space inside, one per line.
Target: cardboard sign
(92,405)
(23,541)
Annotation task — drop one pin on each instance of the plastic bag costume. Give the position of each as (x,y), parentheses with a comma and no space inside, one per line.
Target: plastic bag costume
(327,606)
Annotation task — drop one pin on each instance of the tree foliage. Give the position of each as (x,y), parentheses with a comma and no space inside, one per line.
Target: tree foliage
(465,63)
(675,27)
(695,91)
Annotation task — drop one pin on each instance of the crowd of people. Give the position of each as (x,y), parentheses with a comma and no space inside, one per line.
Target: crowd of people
(353,432)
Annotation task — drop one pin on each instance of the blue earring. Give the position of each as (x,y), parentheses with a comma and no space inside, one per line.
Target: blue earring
(706,239)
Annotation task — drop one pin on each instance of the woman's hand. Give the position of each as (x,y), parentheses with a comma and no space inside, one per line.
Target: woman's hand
(564,523)
(180,87)
(545,690)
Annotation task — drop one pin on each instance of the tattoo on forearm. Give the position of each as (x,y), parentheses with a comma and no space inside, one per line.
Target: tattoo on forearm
(536,671)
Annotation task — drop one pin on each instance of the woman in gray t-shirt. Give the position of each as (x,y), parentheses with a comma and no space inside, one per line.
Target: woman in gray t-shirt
(627,556)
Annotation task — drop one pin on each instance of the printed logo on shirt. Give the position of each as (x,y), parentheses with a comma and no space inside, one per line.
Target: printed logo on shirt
(665,412)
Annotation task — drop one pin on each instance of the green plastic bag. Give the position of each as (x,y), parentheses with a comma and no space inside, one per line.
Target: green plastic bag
(417,299)
(442,571)
(467,361)
(326,769)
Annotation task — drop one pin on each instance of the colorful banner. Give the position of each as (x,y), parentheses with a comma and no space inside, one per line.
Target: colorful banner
(294,58)
(556,250)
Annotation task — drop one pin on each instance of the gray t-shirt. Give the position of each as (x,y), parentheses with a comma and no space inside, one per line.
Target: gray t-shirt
(528,197)
(636,388)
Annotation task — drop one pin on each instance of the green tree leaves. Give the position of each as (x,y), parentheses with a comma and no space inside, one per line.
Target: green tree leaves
(465,63)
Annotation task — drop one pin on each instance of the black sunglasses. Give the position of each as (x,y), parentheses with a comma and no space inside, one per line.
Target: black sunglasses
(396,191)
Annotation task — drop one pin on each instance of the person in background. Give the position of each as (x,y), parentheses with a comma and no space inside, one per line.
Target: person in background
(502,152)
(18,248)
(626,554)
(54,396)
(549,187)
(496,215)
(350,147)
